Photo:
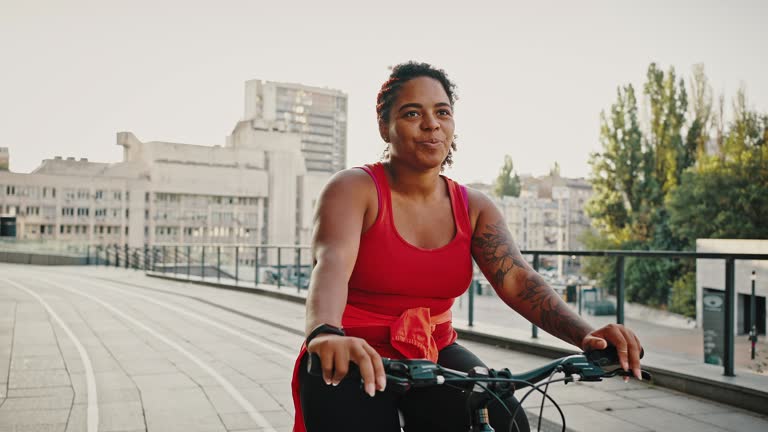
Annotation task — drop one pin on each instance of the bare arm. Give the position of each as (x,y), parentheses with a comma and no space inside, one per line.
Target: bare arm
(517,284)
(338,224)
(341,214)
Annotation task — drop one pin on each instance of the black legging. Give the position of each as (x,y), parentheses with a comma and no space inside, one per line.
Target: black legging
(347,407)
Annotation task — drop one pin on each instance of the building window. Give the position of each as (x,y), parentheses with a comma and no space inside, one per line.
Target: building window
(99,195)
(67,211)
(10,190)
(82,211)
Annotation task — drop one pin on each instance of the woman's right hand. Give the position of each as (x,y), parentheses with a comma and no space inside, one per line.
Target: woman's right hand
(336,352)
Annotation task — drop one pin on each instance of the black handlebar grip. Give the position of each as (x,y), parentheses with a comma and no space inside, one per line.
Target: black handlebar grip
(607,356)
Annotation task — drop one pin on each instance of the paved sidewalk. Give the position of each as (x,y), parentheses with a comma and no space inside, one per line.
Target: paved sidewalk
(145,383)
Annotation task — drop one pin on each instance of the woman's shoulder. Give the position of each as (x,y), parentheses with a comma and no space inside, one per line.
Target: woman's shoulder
(351,183)
(479,203)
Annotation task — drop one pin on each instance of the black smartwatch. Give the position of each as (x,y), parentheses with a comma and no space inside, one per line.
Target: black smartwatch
(321,329)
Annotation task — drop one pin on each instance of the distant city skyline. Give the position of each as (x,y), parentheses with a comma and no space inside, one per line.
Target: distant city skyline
(532,79)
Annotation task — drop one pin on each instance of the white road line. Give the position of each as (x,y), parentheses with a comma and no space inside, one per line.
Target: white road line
(183,311)
(90,378)
(236,395)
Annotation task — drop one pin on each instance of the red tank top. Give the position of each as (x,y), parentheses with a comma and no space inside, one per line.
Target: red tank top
(392,275)
(396,289)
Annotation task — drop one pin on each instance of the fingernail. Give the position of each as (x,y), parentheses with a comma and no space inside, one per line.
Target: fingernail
(370,389)
(626,379)
(639,375)
(625,366)
(382,383)
(327,382)
(335,383)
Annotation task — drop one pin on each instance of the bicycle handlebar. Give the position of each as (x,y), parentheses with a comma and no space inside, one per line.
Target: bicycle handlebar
(405,374)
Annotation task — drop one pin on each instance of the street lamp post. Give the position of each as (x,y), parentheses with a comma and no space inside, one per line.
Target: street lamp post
(752,316)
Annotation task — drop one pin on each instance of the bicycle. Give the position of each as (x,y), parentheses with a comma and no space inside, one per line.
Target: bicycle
(486,385)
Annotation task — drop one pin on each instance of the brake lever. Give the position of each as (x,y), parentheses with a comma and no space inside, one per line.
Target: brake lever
(621,372)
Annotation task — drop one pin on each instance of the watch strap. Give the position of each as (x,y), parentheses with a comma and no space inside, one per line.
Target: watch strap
(324,329)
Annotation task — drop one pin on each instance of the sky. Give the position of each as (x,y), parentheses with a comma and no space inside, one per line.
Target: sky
(532,78)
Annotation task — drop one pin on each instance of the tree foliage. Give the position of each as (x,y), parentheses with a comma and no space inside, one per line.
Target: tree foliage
(684,173)
(507,182)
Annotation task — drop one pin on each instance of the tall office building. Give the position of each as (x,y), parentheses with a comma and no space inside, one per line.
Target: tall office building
(318,115)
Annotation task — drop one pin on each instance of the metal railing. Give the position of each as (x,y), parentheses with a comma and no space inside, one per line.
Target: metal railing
(280,265)
(291,266)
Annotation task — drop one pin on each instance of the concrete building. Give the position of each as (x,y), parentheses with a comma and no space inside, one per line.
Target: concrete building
(710,276)
(548,214)
(253,190)
(318,115)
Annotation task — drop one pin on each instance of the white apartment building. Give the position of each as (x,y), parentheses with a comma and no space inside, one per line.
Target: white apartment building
(318,115)
(254,190)
(548,214)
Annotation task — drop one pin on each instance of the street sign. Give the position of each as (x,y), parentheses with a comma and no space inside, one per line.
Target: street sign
(714,326)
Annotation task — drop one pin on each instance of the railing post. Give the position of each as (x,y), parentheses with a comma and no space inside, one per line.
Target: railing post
(237,265)
(127,256)
(472,288)
(534,328)
(279,267)
(298,270)
(117,256)
(175,259)
(620,289)
(165,255)
(730,293)
(256,265)
(218,263)
(146,257)
(87,254)
(189,261)
(106,257)
(202,263)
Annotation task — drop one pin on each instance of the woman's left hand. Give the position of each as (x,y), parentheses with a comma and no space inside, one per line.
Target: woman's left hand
(626,342)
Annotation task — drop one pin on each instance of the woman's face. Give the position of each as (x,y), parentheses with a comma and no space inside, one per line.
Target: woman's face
(420,127)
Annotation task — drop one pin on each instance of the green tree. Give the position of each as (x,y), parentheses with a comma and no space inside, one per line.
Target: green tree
(507,182)
(723,198)
(700,111)
(668,103)
(617,169)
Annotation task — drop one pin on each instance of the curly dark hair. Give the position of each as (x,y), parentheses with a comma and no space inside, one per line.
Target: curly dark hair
(403,73)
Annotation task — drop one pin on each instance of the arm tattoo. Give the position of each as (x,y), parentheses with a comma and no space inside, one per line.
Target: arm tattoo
(555,317)
(496,248)
(498,256)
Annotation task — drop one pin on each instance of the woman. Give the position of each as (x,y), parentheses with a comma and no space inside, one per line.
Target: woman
(393,245)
